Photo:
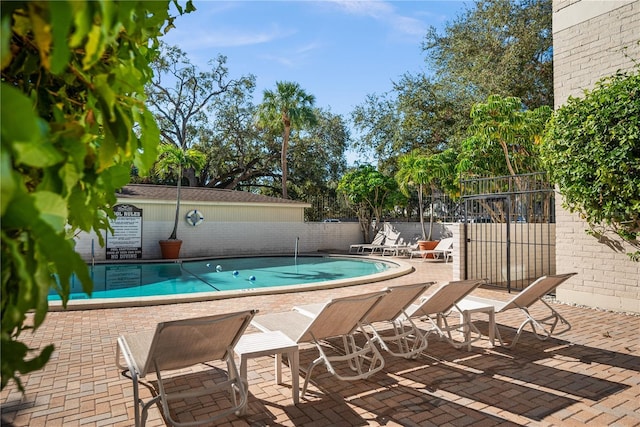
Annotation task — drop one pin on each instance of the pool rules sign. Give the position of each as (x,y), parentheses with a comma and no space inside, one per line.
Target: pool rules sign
(125,242)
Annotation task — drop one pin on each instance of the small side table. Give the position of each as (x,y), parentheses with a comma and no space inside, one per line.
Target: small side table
(466,307)
(267,344)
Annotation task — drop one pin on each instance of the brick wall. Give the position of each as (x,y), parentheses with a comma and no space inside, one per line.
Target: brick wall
(593,39)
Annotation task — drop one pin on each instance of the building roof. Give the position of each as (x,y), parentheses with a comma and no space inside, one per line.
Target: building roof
(198,194)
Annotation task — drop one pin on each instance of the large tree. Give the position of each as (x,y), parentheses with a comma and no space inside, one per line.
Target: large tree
(243,156)
(419,113)
(499,47)
(73,122)
(317,158)
(504,138)
(288,107)
(502,47)
(180,94)
(377,121)
(369,193)
(238,153)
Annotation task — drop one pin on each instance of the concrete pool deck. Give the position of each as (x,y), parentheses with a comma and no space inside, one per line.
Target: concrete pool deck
(591,374)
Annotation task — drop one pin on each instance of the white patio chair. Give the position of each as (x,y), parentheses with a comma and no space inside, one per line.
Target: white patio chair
(338,318)
(404,338)
(180,344)
(436,307)
(442,249)
(378,241)
(543,327)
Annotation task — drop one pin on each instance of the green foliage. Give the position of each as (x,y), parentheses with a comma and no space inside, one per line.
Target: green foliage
(369,193)
(237,154)
(446,173)
(428,173)
(499,47)
(432,118)
(288,107)
(316,158)
(592,151)
(172,161)
(419,114)
(413,171)
(73,124)
(504,138)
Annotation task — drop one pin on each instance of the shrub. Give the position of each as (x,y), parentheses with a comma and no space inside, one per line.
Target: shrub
(592,152)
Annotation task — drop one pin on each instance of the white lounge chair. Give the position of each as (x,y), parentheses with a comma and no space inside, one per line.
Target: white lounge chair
(443,249)
(543,327)
(403,339)
(392,240)
(377,242)
(181,344)
(399,249)
(434,309)
(338,318)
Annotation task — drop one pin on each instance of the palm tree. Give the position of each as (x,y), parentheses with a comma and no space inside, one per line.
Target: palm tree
(413,171)
(427,172)
(289,107)
(172,161)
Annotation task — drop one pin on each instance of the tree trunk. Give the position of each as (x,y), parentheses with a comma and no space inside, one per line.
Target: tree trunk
(283,160)
(175,222)
(421,211)
(365,226)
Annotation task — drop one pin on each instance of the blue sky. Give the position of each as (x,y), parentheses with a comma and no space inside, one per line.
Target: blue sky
(337,50)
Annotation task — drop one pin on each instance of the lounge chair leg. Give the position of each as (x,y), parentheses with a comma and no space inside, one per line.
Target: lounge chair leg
(136,399)
(308,376)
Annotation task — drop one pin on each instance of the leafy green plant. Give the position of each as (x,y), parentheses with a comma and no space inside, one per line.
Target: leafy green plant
(73,124)
(369,192)
(504,138)
(413,172)
(592,152)
(428,173)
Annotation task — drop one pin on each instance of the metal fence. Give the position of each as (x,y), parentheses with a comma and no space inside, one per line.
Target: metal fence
(509,229)
(443,208)
(328,208)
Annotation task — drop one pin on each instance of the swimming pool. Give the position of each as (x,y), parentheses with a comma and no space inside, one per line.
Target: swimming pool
(170,282)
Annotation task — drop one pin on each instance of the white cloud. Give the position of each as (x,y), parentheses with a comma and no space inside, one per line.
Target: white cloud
(384,12)
(225,37)
(293,57)
(375,9)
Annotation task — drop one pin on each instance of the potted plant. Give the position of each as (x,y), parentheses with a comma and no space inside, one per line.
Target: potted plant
(172,161)
(426,172)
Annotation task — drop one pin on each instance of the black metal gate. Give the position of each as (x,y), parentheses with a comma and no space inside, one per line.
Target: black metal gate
(509,229)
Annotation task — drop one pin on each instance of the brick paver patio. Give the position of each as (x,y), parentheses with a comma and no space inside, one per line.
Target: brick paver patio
(588,375)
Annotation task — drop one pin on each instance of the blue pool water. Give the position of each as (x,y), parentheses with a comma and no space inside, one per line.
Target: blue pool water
(155,279)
